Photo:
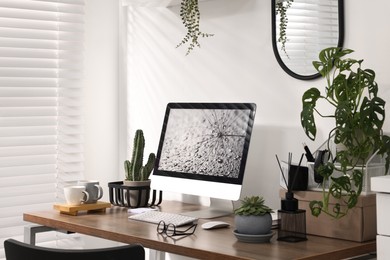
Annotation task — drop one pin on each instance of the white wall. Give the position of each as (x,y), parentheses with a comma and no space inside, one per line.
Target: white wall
(101,92)
(235,65)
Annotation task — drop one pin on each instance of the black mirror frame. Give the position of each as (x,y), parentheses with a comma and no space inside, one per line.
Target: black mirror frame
(276,51)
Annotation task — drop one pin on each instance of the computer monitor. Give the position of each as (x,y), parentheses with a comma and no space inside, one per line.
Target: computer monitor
(203,150)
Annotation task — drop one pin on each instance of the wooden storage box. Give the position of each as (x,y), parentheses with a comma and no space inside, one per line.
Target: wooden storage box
(358,225)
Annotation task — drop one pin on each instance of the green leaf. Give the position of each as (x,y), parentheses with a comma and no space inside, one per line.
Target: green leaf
(337,209)
(335,190)
(338,90)
(326,169)
(316,207)
(339,184)
(352,201)
(385,149)
(372,114)
(327,58)
(309,100)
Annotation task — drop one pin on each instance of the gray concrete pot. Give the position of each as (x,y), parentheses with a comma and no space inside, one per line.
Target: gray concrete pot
(253,225)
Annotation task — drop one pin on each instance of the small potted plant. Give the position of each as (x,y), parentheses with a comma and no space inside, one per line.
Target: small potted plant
(253,219)
(136,174)
(358,114)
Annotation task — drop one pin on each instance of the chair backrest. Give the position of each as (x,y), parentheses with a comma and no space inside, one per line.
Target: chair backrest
(16,250)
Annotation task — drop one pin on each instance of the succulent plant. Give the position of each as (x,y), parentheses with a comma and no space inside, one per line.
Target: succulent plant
(252,206)
(134,170)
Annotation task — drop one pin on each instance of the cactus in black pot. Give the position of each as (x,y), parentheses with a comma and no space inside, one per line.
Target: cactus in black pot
(134,170)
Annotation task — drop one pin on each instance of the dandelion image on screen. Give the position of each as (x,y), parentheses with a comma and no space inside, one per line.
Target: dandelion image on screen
(205,141)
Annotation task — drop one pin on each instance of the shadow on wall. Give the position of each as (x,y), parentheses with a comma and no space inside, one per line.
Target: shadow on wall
(262,171)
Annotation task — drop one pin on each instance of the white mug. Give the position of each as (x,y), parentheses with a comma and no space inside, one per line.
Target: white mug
(94,190)
(75,195)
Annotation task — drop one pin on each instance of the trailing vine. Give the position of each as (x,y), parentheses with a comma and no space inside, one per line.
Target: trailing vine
(190,16)
(281,9)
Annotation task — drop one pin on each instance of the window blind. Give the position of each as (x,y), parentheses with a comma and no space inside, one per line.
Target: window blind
(41,127)
(312,26)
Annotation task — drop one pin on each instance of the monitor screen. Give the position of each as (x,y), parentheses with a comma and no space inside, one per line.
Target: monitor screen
(203,149)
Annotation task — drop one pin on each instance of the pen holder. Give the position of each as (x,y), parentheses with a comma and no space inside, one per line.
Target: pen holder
(291,220)
(297,177)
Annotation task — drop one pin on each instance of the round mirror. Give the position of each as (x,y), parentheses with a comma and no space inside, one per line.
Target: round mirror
(301,29)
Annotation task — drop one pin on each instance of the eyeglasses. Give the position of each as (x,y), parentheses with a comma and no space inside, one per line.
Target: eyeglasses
(170,229)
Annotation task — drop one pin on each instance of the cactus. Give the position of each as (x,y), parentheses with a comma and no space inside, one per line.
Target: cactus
(134,170)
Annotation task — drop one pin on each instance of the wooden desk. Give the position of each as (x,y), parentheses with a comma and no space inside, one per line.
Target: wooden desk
(204,244)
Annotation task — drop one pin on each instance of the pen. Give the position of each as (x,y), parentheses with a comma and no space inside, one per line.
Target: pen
(308,154)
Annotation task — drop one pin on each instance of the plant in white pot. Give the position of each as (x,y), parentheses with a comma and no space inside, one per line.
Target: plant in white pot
(253,220)
(358,115)
(136,174)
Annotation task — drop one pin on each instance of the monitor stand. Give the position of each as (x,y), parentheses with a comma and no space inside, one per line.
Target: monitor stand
(217,208)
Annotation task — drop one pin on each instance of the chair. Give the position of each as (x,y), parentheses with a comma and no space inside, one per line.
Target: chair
(16,250)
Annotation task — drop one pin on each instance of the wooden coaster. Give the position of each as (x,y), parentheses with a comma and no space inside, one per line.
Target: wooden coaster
(74,209)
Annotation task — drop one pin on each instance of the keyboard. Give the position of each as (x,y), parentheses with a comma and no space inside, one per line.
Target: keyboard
(155,217)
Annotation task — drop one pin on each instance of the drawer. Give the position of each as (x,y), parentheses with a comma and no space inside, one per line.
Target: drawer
(383,213)
(382,247)
(381,184)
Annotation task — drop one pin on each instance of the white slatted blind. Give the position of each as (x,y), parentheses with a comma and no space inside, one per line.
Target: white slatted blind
(312,26)
(41,143)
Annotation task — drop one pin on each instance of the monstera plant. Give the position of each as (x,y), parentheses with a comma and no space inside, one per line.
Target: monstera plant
(358,114)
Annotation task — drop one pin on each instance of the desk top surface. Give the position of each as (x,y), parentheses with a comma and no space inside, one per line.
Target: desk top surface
(204,244)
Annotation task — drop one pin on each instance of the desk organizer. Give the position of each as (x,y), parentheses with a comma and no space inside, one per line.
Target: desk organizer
(120,195)
(358,225)
(75,209)
(375,166)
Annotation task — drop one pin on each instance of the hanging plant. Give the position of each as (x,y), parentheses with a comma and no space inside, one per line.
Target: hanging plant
(281,8)
(190,16)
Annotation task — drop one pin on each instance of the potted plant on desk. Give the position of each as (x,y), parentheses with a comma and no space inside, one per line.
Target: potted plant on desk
(359,114)
(253,220)
(137,175)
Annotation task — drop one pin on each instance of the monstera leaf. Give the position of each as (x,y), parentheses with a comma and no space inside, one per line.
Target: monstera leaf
(309,100)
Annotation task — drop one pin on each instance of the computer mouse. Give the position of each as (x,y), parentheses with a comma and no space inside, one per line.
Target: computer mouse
(215,224)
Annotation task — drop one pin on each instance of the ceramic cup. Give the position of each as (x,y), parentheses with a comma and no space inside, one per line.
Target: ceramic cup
(94,190)
(75,195)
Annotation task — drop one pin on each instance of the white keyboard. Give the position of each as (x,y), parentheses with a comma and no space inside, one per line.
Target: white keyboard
(155,217)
